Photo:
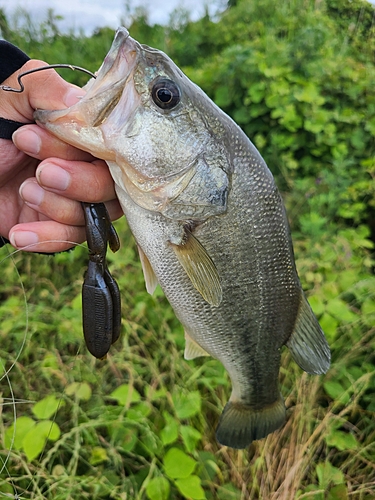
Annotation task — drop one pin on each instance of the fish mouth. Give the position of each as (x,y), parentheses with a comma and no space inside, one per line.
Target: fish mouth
(102,95)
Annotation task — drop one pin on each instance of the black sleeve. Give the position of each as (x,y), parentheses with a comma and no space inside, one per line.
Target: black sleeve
(11,59)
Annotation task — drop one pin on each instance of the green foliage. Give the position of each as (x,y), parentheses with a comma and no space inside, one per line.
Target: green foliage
(298,77)
(158,488)
(304,95)
(27,435)
(177,464)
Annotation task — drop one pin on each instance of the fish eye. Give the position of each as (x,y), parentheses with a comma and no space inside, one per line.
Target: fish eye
(165,94)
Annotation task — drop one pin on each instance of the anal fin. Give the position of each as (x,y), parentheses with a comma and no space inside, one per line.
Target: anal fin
(150,278)
(193,349)
(200,268)
(307,344)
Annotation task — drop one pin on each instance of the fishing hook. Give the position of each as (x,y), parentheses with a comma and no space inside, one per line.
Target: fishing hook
(42,68)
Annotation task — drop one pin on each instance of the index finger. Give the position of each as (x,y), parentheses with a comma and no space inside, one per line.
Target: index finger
(41,144)
(43,90)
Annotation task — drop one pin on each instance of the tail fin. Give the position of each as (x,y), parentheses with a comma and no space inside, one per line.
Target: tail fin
(239,424)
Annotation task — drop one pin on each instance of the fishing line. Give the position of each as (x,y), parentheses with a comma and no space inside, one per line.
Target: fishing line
(5,461)
(10,256)
(12,400)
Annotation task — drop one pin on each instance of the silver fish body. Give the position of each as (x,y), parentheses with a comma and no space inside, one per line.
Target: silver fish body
(209,223)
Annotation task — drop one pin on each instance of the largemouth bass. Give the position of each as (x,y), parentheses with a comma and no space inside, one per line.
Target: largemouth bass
(209,223)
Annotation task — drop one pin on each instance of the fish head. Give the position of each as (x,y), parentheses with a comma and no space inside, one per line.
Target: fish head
(159,133)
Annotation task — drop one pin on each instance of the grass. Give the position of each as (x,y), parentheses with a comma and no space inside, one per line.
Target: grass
(117,420)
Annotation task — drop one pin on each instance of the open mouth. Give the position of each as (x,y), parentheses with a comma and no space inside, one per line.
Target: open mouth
(104,92)
(101,97)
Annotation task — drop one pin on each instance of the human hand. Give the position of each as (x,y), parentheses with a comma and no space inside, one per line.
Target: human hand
(42,179)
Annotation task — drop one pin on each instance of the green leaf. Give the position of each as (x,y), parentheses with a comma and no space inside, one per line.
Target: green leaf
(368,307)
(289,117)
(310,93)
(98,455)
(158,488)
(336,391)
(223,96)
(178,464)
(169,433)
(139,411)
(49,429)
(125,394)
(258,110)
(35,439)
(317,305)
(340,310)
(228,492)
(328,474)
(50,361)
(121,436)
(256,92)
(342,440)
(208,467)
(47,407)
(329,325)
(154,394)
(339,492)
(317,122)
(33,444)
(81,390)
(313,223)
(16,433)
(242,115)
(319,495)
(150,442)
(187,405)
(190,437)
(191,488)
(358,138)
(129,439)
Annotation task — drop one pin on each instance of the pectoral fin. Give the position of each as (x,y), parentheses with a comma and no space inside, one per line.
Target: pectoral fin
(192,349)
(150,278)
(307,343)
(200,268)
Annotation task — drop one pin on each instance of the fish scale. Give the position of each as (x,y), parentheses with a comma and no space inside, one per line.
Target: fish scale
(209,223)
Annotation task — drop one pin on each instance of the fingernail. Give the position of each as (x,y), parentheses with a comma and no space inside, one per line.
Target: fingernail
(73,96)
(27,141)
(51,176)
(32,193)
(20,239)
